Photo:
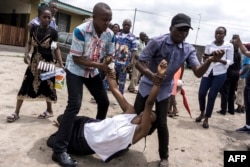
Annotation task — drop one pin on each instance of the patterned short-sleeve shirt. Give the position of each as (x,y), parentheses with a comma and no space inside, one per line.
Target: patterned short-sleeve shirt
(86,43)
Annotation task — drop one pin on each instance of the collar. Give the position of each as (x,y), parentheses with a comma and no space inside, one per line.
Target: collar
(170,42)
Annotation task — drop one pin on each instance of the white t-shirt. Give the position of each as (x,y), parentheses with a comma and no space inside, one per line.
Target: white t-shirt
(110,135)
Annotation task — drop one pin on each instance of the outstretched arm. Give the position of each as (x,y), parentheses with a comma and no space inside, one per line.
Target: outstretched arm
(111,78)
(242,47)
(146,121)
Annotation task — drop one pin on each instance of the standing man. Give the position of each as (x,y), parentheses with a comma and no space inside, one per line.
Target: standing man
(172,48)
(125,51)
(227,91)
(135,72)
(92,41)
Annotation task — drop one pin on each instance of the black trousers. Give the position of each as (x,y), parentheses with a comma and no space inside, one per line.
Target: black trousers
(75,93)
(161,120)
(227,92)
(77,143)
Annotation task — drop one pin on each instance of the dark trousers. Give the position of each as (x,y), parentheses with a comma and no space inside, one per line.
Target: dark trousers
(213,84)
(75,93)
(162,128)
(77,144)
(227,92)
(247,100)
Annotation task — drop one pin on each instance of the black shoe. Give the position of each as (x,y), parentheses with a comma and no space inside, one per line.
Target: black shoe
(199,119)
(238,110)
(64,159)
(221,112)
(243,110)
(232,113)
(243,129)
(205,125)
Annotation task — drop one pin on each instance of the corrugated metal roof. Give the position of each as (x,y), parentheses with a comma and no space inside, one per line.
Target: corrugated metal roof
(72,9)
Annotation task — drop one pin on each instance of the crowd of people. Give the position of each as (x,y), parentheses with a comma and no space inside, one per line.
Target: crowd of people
(101,57)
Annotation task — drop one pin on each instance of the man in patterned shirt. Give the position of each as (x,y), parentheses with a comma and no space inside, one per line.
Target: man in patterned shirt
(92,41)
(125,51)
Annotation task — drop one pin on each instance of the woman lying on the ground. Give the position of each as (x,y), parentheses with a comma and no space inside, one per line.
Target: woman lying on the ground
(113,135)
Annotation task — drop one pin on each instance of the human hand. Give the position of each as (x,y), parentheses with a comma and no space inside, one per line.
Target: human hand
(111,74)
(236,39)
(26,59)
(216,55)
(162,68)
(108,59)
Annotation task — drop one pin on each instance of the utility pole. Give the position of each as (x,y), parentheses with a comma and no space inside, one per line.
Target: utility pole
(198,29)
(134,21)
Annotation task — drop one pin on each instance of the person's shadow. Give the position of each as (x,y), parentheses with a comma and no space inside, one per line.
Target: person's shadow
(42,154)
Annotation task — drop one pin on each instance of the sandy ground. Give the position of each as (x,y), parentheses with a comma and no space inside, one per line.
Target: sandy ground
(23,143)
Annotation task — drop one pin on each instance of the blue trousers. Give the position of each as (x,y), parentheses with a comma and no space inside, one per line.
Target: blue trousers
(212,84)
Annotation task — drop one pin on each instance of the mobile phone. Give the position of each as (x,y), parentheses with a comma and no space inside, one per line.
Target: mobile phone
(207,55)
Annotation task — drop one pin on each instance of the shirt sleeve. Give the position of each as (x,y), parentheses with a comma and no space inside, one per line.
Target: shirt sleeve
(111,46)
(78,41)
(229,55)
(149,51)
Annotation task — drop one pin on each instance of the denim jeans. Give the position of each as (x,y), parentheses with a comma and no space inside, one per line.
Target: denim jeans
(75,93)
(161,120)
(213,84)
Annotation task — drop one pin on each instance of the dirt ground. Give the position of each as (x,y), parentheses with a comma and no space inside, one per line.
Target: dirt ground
(23,143)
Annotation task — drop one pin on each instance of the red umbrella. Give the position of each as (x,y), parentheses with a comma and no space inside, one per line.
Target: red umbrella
(185,102)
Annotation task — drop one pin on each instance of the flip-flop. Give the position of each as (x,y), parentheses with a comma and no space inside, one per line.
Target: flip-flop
(12,118)
(45,115)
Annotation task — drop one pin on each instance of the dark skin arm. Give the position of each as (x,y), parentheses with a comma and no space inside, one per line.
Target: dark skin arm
(88,63)
(242,47)
(216,57)
(111,78)
(197,70)
(143,128)
(26,52)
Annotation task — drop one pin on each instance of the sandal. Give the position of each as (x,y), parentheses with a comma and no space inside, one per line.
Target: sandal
(92,100)
(45,115)
(13,117)
(133,91)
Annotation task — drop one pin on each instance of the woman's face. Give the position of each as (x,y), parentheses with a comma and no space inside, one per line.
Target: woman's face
(115,29)
(220,34)
(45,18)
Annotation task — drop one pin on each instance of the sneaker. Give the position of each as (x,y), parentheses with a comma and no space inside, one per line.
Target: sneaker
(64,159)
(243,129)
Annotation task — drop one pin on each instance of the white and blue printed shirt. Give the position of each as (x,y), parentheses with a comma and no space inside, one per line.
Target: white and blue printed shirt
(86,43)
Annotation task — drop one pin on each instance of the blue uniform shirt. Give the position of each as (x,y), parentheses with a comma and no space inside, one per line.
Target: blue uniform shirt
(164,48)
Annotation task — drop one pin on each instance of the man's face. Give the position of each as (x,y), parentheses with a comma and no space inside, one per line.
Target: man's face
(102,20)
(126,26)
(179,34)
(53,8)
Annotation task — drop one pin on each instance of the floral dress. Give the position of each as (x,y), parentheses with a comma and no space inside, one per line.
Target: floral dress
(33,88)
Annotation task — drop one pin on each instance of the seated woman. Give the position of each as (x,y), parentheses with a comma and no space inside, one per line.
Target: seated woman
(113,135)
